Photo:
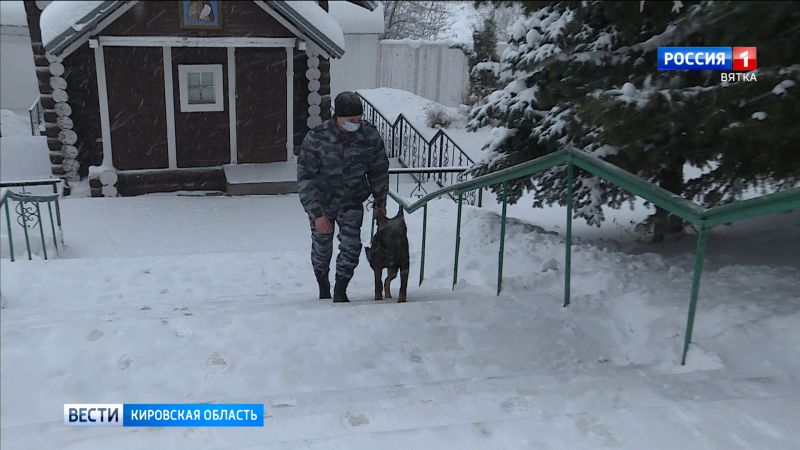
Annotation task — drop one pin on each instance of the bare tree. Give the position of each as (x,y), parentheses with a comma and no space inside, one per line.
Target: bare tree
(415,19)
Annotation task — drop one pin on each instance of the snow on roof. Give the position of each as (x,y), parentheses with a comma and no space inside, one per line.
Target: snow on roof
(355,19)
(322,24)
(62,16)
(12,13)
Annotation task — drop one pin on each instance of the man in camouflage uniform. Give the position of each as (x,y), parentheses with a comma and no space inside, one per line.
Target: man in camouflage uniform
(341,163)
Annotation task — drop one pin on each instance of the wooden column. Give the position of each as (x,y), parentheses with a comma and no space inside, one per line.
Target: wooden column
(107,173)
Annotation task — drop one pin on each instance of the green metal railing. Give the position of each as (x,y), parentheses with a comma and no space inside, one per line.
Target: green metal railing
(28,212)
(703,218)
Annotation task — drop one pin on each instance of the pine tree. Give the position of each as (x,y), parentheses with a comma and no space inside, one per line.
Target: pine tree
(483,61)
(583,75)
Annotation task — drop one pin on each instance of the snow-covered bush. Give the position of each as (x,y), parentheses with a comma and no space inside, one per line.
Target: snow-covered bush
(439,116)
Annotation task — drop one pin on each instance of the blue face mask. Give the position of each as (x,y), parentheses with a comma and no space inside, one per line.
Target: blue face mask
(351,126)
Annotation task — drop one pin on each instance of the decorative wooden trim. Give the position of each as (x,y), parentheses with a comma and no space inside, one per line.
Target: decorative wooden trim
(232,103)
(178,41)
(288,25)
(170,108)
(183,87)
(102,94)
(99,27)
(289,103)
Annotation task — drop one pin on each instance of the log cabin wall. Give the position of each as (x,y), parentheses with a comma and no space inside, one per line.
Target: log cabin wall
(261,125)
(53,96)
(82,75)
(300,90)
(137,109)
(138,183)
(325,87)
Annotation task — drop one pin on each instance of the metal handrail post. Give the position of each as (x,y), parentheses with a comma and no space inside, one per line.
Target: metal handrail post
(568,256)
(700,252)
(502,239)
(458,238)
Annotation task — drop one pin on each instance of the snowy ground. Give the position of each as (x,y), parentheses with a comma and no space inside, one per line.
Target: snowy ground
(169,298)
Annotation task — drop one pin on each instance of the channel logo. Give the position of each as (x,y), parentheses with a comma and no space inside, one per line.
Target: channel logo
(739,59)
(744,59)
(163,415)
(93,414)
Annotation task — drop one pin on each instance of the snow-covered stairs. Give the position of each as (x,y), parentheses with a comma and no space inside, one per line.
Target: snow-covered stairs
(237,321)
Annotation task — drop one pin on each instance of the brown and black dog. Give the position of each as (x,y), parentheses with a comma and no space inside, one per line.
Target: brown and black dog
(389,250)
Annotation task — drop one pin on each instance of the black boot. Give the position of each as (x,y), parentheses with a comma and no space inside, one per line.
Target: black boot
(324,285)
(340,290)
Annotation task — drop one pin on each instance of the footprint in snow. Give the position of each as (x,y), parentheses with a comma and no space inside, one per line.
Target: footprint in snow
(284,403)
(413,353)
(184,310)
(217,359)
(124,362)
(356,420)
(95,335)
(514,404)
(433,318)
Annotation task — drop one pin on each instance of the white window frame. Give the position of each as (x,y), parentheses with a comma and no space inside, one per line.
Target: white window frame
(183,83)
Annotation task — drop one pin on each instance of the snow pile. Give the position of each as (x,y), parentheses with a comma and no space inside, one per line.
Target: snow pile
(24,158)
(357,20)
(319,19)
(14,124)
(60,16)
(12,13)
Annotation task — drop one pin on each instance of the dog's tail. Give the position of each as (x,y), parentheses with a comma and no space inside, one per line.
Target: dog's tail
(368,253)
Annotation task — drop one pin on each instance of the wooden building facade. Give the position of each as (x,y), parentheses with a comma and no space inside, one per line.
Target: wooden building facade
(148,96)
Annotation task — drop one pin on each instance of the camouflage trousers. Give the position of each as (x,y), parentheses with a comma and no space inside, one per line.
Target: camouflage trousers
(349,223)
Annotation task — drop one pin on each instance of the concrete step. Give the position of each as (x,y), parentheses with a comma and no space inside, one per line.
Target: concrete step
(274,178)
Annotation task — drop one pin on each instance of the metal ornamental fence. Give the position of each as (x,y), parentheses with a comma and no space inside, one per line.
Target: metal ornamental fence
(406,143)
(28,214)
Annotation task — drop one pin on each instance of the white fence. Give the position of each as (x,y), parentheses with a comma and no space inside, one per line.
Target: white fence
(430,69)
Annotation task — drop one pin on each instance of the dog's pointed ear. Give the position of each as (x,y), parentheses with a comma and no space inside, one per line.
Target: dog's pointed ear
(399,214)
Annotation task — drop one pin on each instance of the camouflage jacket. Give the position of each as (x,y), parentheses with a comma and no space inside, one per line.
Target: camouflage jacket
(336,171)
